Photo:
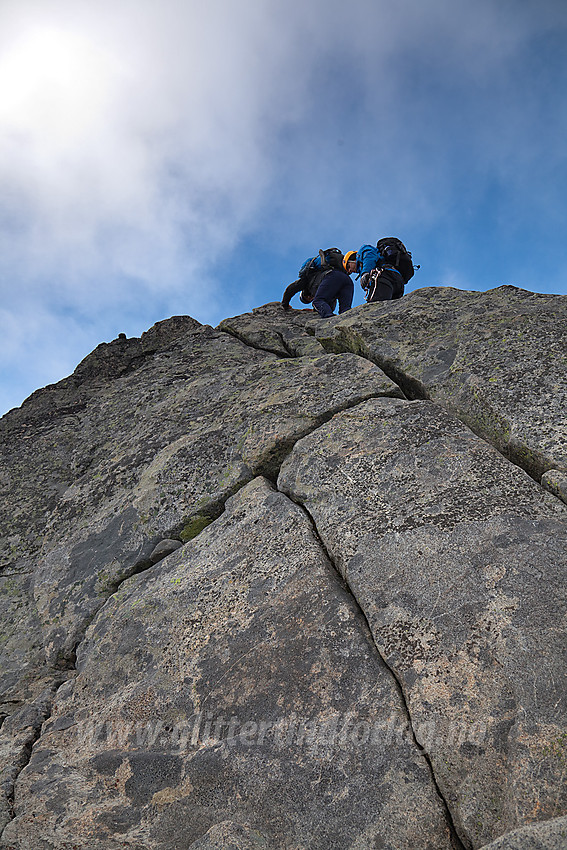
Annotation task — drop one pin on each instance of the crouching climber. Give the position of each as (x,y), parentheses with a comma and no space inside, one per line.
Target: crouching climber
(336,286)
(323,280)
(384,270)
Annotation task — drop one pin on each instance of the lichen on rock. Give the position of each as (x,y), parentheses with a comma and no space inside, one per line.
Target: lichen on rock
(292,582)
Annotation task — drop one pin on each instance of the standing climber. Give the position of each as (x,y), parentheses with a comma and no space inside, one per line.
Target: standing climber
(336,286)
(384,269)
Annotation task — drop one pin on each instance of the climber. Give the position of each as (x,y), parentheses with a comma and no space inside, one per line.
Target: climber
(291,290)
(336,286)
(311,274)
(349,262)
(319,271)
(384,270)
(324,280)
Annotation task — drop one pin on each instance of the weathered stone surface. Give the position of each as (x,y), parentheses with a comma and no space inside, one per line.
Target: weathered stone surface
(271,328)
(551,835)
(459,561)
(235,681)
(146,439)
(56,439)
(232,836)
(497,359)
(20,729)
(164,548)
(456,557)
(556,482)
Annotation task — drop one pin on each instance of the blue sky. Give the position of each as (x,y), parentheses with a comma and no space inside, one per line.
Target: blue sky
(162,157)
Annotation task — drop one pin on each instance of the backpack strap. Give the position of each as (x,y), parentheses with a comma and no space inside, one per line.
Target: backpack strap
(390,267)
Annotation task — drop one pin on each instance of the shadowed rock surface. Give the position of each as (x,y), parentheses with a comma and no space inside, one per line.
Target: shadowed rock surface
(390,649)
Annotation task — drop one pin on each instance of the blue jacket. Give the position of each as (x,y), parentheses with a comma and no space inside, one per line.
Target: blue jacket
(366,259)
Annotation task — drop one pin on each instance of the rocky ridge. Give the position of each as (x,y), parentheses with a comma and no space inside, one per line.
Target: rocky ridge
(292,582)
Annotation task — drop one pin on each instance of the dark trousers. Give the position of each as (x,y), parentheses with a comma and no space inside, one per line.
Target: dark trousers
(335,286)
(389,285)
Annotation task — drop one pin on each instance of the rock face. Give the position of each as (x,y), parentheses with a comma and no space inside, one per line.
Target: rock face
(497,359)
(458,560)
(292,583)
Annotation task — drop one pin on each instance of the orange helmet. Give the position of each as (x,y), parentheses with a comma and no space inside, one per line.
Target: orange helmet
(350,256)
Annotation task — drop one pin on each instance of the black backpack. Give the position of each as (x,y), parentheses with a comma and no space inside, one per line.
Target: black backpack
(393,252)
(314,270)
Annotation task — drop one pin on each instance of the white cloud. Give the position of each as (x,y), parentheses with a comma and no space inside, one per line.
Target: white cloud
(142,140)
(151,128)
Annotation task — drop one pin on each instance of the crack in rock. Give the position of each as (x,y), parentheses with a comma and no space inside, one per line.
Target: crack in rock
(494,359)
(445,544)
(213,511)
(259,579)
(219,508)
(457,842)
(280,352)
(414,390)
(25,729)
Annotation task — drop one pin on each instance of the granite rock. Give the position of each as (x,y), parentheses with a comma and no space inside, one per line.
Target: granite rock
(371,656)
(230,836)
(550,835)
(136,450)
(235,680)
(496,359)
(458,560)
(287,333)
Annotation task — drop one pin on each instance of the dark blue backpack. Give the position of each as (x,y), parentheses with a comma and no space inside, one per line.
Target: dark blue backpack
(314,270)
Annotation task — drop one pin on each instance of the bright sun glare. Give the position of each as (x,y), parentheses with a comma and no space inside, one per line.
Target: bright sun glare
(52,82)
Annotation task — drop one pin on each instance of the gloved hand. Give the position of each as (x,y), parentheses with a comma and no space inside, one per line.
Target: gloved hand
(365,281)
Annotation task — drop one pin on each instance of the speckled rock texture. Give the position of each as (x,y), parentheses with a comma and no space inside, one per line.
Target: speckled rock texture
(551,835)
(497,359)
(287,333)
(232,836)
(261,586)
(139,444)
(206,638)
(458,560)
